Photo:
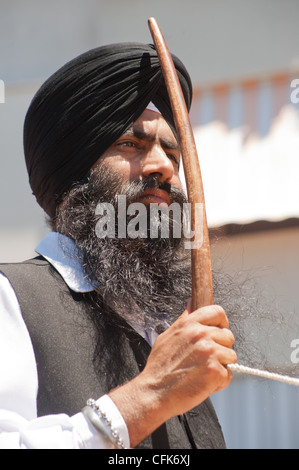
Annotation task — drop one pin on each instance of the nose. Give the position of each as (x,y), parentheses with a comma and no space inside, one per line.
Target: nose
(157,163)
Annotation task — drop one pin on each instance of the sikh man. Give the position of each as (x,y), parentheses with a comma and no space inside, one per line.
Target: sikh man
(99,346)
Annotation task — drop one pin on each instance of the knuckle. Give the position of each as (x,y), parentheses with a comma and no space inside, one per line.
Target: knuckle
(221,313)
(234,356)
(201,335)
(215,372)
(206,349)
(230,336)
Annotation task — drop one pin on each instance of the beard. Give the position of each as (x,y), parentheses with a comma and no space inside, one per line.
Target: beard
(142,280)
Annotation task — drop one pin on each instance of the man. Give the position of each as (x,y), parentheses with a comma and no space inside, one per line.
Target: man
(106,320)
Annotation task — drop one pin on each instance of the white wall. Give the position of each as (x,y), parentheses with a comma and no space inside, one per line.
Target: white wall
(218,39)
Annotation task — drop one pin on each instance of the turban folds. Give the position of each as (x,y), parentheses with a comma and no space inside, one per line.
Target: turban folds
(84,107)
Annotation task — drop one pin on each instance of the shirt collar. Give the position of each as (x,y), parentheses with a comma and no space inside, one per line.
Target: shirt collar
(67,259)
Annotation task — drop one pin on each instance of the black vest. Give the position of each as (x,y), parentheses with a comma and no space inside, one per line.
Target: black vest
(64,338)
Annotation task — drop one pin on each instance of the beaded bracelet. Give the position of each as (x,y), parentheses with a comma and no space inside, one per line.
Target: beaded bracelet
(96,416)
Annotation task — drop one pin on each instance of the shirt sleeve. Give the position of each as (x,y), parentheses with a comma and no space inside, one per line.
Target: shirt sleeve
(20,428)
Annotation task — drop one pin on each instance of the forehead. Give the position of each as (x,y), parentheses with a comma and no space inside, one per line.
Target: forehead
(152,126)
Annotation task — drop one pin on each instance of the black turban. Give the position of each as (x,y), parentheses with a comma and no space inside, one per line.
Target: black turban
(84,107)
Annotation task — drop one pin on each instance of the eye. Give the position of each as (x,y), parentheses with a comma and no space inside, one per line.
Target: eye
(174,158)
(126,143)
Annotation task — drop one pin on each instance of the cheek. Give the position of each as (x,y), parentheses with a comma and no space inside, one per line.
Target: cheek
(176,181)
(118,165)
(129,169)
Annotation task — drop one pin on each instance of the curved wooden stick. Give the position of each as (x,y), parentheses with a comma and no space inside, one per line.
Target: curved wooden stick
(202,290)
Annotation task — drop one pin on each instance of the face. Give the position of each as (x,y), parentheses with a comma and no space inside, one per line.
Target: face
(148,148)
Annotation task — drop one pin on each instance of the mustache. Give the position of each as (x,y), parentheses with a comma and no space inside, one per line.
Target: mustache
(152,182)
(134,189)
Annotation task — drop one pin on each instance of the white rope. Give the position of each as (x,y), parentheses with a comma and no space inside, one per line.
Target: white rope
(263,373)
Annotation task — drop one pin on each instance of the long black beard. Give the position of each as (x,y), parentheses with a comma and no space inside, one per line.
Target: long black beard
(144,280)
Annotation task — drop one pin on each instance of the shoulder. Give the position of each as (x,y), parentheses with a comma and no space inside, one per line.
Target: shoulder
(10,312)
(20,265)
(33,281)
(25,270)
(7,295)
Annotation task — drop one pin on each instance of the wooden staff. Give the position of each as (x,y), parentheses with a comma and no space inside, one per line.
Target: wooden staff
(202,290)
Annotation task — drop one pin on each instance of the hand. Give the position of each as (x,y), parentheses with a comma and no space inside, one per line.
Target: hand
(188,361)
(187,364)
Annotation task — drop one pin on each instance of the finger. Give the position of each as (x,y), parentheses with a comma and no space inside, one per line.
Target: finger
(222,336)
(226,356)
(212,315)
(225,374)
(227,378)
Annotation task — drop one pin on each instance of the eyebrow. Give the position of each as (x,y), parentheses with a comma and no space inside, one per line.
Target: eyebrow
(140,133)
